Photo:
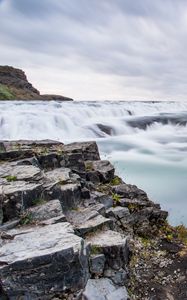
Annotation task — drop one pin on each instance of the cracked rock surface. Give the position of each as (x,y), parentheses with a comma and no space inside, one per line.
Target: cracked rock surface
(71,229)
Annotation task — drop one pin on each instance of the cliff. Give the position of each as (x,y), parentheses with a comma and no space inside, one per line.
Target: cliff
(15,86)
(72,229)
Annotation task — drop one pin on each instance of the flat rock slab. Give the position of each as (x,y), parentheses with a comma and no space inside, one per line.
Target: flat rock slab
(118,212)
(104,289)
(46,211)
(20,172)
(59,175)
(88,220)
(113,245)
(89,150)
(38,262)
(92,225)
(25,144)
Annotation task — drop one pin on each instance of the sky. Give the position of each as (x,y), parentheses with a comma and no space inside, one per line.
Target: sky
(98,49)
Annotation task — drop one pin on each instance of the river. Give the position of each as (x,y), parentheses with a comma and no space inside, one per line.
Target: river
(146,141)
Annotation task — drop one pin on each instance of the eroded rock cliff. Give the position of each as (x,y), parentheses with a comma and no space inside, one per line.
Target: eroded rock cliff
(15,86)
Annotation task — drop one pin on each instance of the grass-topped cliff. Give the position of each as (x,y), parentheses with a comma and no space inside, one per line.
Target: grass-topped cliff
(5,93)
(15,86)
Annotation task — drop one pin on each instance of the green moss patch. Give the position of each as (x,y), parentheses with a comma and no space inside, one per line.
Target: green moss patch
(10,178)
(116,181)
(5,93)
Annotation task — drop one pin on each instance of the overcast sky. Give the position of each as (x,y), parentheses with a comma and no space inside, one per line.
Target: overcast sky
(98,49)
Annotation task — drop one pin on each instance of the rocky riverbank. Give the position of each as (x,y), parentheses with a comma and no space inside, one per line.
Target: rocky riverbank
(72,229)
(15,86)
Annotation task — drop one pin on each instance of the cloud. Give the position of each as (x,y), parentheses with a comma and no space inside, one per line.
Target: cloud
(102,49)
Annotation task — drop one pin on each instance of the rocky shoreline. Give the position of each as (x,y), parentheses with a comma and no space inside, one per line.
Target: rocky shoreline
(72,229)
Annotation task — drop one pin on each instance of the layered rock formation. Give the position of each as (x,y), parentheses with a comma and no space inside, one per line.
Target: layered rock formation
(15,86)
(68,225)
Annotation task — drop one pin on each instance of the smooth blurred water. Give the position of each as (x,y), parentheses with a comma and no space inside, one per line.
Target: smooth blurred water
(146,141)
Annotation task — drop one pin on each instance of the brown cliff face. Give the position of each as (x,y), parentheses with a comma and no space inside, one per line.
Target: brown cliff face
(15,86)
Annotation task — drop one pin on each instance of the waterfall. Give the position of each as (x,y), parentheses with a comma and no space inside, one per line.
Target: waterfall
(147,141)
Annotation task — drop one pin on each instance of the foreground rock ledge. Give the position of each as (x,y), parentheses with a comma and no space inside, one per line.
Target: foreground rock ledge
(41,260)
(68,225)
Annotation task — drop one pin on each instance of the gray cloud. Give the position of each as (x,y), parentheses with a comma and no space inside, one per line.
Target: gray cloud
(98,48)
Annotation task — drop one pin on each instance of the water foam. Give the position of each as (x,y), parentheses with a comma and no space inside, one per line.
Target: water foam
(144,138)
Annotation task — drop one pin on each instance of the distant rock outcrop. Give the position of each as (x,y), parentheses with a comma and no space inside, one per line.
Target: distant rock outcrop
(15,86)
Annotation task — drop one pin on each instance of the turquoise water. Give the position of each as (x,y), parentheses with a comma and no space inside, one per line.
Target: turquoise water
(164,184)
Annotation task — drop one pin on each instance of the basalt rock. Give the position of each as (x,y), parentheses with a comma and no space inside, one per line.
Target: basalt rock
(113,245)
(39,262)
(64,225)
(14,172)
(130,192)
(88,220)
(104,289)
(51,210)
(17,196)
(102,169)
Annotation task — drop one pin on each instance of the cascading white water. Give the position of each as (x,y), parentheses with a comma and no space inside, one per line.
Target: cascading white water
(147,141)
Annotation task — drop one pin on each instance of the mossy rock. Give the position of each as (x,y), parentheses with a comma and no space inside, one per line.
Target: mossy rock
(5,93)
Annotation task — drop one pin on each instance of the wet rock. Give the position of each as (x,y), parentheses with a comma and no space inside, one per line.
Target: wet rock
(105,128)
(48,160)
(113,245)
(97,263)
(93,176)
(15,154)
(102,198)
(85,193)
(40,262)
(103,289)
(88,220)
(130,191)
(51,209)
(68,194)
(17,196)
(118,212)
(29,161)
(104,169)
(89,150)
(74,161)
